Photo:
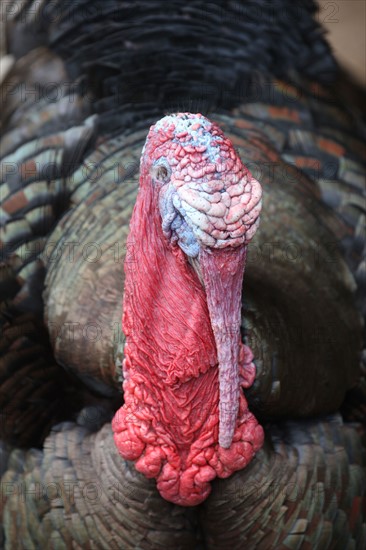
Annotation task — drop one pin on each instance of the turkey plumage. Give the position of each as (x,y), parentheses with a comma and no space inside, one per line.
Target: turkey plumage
(88,81)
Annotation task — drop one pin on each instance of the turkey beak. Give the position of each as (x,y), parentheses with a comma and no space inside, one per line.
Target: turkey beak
(222,271)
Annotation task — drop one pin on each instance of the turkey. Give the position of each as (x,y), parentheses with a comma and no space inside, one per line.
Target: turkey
(269,454)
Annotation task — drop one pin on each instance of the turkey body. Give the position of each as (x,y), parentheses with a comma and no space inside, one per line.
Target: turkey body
(77,113)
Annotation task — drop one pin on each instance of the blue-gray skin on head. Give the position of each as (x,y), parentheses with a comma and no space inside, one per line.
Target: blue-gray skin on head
(207,198)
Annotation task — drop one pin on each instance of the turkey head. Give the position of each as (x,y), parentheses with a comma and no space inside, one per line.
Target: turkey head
(185,419)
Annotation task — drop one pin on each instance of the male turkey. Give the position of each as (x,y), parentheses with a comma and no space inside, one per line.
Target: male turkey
(88,81)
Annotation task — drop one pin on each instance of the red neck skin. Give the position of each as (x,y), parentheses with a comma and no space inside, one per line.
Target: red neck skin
(169,424)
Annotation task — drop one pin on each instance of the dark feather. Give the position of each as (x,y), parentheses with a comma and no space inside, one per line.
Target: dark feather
(88,80)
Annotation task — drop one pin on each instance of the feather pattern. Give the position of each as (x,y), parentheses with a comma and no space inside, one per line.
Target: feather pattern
(78,105)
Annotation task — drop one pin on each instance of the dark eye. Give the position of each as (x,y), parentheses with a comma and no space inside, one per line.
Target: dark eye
(161,172)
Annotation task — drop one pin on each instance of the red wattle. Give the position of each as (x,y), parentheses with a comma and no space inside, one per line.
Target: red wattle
(169,422)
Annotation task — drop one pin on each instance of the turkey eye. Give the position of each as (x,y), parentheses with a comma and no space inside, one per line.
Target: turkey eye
(161,173)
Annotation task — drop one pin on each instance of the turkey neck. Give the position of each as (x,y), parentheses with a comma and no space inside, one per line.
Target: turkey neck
(166,319)
(169,424)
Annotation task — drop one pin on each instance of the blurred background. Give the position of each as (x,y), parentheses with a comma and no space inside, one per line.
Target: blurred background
(345,21)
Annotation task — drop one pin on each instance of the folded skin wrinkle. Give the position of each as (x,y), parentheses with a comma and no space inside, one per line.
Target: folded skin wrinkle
(185,419)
